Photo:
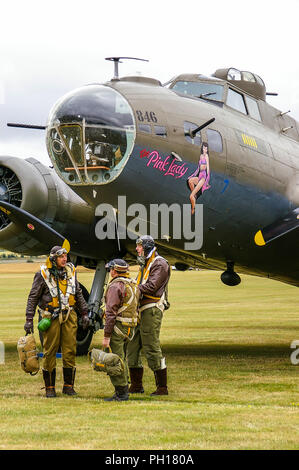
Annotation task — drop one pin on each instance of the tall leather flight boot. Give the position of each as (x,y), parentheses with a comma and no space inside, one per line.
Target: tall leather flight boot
(49,379)
(136,374)
(161,382)
(121,394)
(69,379)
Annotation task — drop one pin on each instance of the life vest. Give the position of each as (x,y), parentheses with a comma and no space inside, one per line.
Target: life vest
(67,293)
(160,302)
(128,312)
(143,274)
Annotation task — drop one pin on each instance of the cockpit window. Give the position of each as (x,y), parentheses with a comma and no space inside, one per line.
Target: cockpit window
(252,107)
(236,101)
(248,77)
(234,74)
(90,135)
(208,91)
(259,80)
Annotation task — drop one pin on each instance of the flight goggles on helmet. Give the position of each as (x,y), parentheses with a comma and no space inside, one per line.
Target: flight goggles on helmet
(118,264)
(57,251)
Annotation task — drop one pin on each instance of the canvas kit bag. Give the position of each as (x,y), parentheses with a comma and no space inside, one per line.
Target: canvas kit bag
(106,362)
(28,354)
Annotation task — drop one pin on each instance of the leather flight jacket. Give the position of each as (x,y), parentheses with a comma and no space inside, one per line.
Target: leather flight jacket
(40,296)
(153,280)
(121,300)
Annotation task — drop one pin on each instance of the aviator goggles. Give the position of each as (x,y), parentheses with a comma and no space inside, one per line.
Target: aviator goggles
(118,265)
(59,252)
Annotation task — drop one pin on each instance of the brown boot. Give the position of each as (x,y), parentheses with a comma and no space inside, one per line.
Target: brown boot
(69,379)
(121,394)
(49,379)
(161,382)
(136,374)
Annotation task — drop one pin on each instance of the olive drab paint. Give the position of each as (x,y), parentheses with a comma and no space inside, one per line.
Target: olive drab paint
(197,141)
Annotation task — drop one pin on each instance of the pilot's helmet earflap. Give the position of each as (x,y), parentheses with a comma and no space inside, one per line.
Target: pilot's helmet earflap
(147,242)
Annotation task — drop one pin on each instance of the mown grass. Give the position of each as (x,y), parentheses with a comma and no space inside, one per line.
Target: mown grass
(231,381)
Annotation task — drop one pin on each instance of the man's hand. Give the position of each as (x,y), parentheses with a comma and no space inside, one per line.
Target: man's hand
(106,342)
(28,327)
(85,321)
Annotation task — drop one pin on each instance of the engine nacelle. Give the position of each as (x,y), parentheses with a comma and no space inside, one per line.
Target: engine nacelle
(37,189)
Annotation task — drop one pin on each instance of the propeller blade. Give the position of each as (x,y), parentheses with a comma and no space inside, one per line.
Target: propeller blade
(279,228)
(31,224)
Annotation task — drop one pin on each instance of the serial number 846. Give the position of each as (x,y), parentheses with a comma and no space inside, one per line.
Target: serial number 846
(148,116)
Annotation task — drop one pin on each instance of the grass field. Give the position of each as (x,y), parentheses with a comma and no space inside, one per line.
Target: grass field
(231,382)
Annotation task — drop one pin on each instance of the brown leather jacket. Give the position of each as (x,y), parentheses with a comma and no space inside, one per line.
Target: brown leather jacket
(114,299)
(156,283)
(39,295)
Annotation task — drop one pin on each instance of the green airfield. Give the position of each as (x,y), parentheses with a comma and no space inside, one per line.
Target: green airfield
(231,381)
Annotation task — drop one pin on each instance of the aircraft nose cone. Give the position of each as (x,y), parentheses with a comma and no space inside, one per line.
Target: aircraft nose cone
(95,104)
(90,135)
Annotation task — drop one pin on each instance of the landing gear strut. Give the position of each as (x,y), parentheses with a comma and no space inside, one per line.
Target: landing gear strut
(96,295)
(95,311)
(230,277)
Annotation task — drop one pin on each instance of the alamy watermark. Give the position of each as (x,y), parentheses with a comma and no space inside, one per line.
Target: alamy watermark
(295,354)
(2,353)
(161,221)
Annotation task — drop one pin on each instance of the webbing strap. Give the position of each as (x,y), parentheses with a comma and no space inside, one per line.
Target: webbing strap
(123,335)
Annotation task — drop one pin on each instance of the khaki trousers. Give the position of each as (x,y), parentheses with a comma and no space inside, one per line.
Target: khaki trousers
(147,337)
(63,334)
(118,345)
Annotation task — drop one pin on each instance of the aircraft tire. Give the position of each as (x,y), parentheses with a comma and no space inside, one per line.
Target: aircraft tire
(83,341)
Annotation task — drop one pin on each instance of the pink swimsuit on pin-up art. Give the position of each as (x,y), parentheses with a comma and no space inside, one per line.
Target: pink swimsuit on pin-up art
(199,180)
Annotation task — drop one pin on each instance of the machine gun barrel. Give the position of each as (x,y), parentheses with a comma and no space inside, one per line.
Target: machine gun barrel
(26,126)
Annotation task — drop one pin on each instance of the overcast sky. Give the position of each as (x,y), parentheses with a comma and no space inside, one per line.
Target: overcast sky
(48,48)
